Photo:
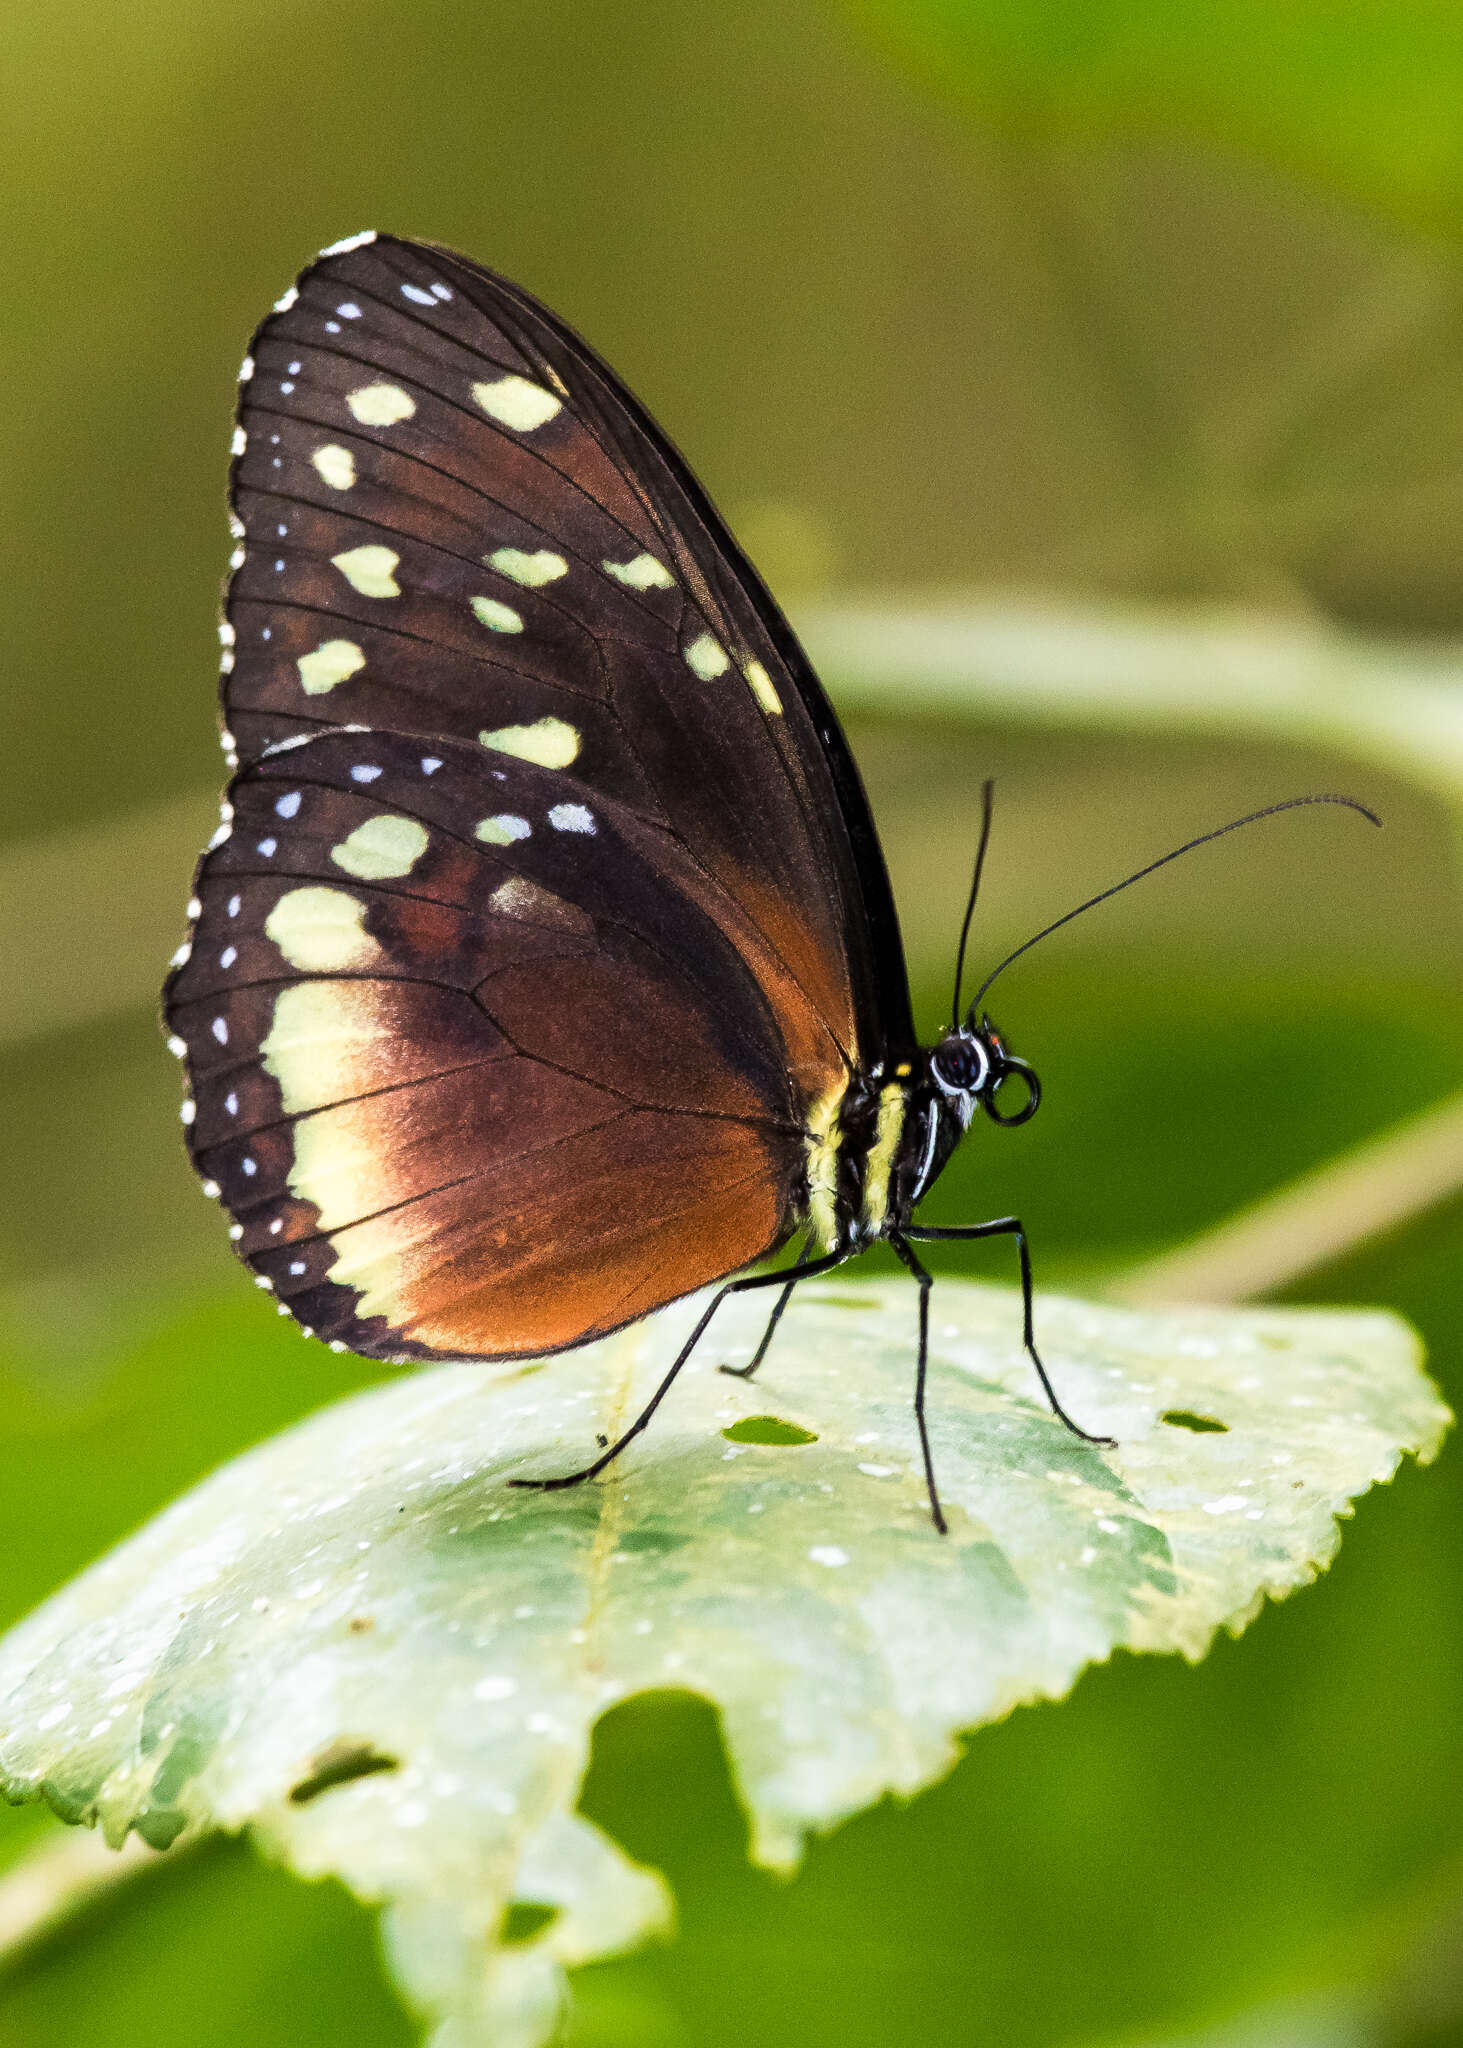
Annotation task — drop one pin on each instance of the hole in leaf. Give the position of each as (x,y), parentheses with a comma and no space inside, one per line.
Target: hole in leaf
(338,1764)
(1201,1425)
(523,1920)
(767,1429)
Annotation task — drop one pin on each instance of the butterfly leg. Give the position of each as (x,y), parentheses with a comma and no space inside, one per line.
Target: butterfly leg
(926,1282)
(745,1372)
(1010,1226)
(754,1280)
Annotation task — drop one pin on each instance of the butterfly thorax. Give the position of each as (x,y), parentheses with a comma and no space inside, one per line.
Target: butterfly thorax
(876,1143)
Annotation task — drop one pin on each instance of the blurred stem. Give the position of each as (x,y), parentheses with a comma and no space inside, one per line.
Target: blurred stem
(60,1877)
(1315,1220)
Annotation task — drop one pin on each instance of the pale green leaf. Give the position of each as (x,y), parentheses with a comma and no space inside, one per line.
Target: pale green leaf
(358,1641)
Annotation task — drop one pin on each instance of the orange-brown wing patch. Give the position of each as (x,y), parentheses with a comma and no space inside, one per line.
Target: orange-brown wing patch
(471,1096)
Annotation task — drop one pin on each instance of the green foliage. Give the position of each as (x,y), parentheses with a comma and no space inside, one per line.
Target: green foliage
(359,1642)
(1363,98)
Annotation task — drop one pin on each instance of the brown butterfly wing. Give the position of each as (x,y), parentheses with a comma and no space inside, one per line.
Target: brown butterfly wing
(472,1076)
(472,1073)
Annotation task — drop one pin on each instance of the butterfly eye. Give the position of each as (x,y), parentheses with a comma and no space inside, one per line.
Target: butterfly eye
(1027,1109)
(960,1064)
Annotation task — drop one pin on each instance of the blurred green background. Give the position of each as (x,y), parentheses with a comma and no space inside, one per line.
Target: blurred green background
(1137,318)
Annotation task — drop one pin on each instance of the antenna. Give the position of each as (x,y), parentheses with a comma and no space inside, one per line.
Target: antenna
(1253,817)
(987,796)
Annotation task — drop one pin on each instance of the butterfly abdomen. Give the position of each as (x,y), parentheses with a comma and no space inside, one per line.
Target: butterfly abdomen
(852,1145)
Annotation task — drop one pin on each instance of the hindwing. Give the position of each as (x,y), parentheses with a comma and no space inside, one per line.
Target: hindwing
(473,1073)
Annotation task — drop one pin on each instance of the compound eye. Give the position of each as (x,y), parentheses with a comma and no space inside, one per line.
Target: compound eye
(960,1064)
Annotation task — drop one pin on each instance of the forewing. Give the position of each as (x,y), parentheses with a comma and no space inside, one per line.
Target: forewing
(472,1073)
(454,521)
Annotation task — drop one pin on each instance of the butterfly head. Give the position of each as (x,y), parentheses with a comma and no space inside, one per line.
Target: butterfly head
(972,1064)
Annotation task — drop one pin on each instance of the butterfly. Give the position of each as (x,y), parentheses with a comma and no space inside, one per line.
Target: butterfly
(544,967)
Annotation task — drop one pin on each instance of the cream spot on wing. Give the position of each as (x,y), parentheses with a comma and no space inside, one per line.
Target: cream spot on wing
(532,571)
(572,818)
(336,465)
(497,617)
(503,830)
(321,931)
(762,688)
(370,570)
(514,402)
(328,664)
(380,405)
(381,846)
(349,242)
(321,1034)
(550,742)
(518,897)
(329,1040)
(644,572)
(707,657)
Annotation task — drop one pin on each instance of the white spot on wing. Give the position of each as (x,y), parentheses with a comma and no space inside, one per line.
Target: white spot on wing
(328,664)
(380,405)
(336,465)
(370,570)
(551,742)
(417,296)
(763,688)
(364,771)
(533,571)
(430,764)
(518,897)
(496,616)
(240,441)
(321,931)
(283,305)
(287,806)
(349,242)
(503,830)
(644,572)
(571,818)
(707,658)
(380,847)
(246,369)
(515,402)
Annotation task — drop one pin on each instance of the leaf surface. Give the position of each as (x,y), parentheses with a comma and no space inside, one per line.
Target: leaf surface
(359,1642)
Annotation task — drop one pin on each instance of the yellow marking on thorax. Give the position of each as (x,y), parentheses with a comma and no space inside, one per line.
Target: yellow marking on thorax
(822,1138)
(880,1162)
